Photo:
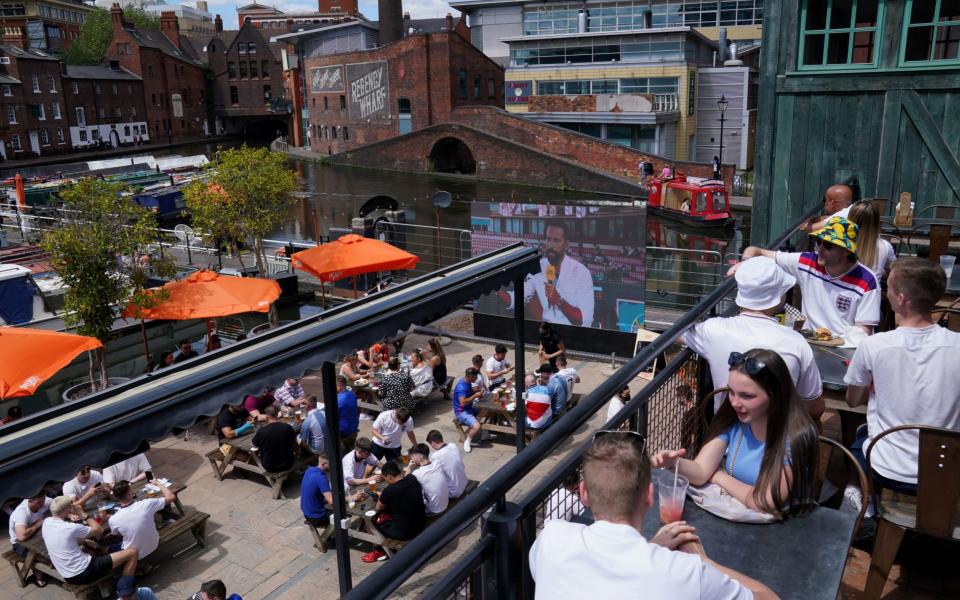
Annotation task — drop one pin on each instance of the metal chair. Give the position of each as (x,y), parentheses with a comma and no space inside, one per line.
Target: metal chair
(829,448)
(936,510)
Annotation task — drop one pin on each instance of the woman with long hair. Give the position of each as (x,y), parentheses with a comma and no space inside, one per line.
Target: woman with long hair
(351,368)
(762,446)
(551,346)
(872,250)
(437,361)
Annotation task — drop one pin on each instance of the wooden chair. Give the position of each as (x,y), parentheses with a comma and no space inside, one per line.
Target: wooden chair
(706,403)
(936,509)
(948,317)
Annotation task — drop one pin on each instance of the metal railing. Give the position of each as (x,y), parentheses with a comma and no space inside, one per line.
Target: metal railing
(742,184)
(662,410)
(677,278)
(437,247)
(666,102)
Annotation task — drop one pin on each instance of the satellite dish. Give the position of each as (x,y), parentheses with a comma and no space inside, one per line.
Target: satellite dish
(441,199)
(185,234)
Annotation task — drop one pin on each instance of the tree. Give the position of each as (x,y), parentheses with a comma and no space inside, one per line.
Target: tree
(247,195)
(96,248)
(97,30)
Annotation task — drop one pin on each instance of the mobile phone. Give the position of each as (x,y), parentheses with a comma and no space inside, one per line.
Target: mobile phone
(98,485)
(149,475)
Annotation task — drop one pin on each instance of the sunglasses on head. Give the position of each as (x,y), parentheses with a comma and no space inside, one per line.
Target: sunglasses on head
(751,365)
(638,440)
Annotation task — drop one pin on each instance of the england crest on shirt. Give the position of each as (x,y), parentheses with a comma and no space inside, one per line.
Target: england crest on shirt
(843,303)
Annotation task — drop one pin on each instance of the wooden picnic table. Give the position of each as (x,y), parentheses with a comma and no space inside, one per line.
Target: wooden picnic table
(140,492)
(494,416)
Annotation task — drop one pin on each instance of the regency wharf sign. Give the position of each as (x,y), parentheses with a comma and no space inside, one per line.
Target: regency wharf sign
(369,90)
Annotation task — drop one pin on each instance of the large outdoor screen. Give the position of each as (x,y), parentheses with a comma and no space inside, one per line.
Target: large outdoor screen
(592,269)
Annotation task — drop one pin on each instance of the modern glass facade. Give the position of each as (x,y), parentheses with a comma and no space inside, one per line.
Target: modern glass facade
(638,49)
(635,85)
(639,137)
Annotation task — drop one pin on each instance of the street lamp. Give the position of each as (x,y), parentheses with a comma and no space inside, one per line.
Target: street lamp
(722,105)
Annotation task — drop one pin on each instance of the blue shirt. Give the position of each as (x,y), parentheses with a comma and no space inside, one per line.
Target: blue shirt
(311,432)
(145,593)
(557,386)
(747,458)
(349,415)
(463,390)
(315,485)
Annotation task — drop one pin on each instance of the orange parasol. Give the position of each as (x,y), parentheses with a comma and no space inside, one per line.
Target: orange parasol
(206,294)
(352,255)
(21,195)
(28,357)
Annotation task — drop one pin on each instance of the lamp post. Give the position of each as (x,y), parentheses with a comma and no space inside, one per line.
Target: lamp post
(722,105)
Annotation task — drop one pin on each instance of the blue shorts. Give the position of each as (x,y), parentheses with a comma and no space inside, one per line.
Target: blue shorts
(467,419)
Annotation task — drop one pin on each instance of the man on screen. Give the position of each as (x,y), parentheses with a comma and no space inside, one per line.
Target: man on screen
(562,292)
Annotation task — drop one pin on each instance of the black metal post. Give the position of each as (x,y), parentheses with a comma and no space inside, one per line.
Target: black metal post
(723,110)
(504,525)
(332,443)
(519,333)
(189,254)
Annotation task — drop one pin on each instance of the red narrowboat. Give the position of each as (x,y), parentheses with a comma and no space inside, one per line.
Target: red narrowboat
(694,200)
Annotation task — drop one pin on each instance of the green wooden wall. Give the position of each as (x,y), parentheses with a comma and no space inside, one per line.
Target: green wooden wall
(895,130)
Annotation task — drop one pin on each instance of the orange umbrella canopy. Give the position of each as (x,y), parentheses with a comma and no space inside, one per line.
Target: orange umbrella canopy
(28,357)
(206,294)
(352,255)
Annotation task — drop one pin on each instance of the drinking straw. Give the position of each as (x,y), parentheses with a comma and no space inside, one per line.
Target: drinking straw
(676,473)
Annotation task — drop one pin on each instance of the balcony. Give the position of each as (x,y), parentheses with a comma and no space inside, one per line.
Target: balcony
(605,103)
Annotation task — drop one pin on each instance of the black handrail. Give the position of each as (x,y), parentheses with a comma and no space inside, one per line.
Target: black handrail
(385,580)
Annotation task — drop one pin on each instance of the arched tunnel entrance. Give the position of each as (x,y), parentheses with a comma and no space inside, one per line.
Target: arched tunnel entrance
(450,155)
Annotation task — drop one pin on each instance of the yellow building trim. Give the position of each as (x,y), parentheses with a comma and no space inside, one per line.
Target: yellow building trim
(734,32)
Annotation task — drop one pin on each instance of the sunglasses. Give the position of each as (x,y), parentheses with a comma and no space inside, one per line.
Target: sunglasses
(751,365)
(638,440)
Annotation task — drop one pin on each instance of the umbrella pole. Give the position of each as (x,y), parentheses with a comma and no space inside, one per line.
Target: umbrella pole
(323,293)
(209,331)
(146,347)
(356,294)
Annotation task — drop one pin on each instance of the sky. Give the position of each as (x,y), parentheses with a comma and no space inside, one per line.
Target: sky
(418,9)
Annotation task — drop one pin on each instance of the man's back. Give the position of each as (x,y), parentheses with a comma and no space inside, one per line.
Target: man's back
(277,443)
(136,524)
(451,463)
(608,560)
(436,494)
(404,500)
(916,380)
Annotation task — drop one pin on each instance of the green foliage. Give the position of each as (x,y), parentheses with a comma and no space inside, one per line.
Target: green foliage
(95,248)
(97,30)
(247,195)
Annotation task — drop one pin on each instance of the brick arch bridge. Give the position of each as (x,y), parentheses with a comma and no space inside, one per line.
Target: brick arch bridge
(491,143)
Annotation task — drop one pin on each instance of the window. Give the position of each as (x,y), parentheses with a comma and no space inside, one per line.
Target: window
(243,70)
(12,115)
(7,90)
(96,89)
(81,120)
(251,47)
(53,84)
(95,134)
(264,68)
(333,132)
(242,47)
(44,138)
(231,70)
(462,77)
(114,89)
(491,89)
(15,143)
(346,134)
(41,113)
(932,34)
(839,33)
(36,84)
(253,69)
(56,110)
(60,139)
(405,118)
(343,102)
(76,87)
(325,103)
(118,112)
(126,131)
(478,86)
(267,94)
(234,95)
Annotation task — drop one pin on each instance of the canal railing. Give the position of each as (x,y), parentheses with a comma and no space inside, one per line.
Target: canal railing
(495,565)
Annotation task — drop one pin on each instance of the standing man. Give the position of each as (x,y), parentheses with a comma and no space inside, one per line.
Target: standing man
(611,558)
(26,520)
(276,442)
(761,293)
(349,414)
(497,367)
(387,429)
(838,290)
(450,461)
(906,376)
(134,520)
(464,410)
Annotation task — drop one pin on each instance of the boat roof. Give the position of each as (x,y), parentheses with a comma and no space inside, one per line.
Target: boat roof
(13,271)
(697,183)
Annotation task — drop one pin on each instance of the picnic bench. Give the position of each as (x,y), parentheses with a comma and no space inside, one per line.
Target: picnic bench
(495,417)
(244,444)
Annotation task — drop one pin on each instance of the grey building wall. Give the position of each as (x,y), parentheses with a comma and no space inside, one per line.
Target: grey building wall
(734,83)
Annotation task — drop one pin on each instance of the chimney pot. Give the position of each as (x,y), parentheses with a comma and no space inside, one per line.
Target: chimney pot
(218,24)
(449,22)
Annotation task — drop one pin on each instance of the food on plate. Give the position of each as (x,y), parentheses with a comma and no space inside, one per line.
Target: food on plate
(822,334)
(361,382)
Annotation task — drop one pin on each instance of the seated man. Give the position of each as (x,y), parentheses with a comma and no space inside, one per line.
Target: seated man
(403,501)
(315,494)
(464,410)
(127,589)
(186,352)
(436,494)
(349,414)
(276,443)
(134,520)
(232,422)
(611,558)
(448,457)
(838,290)
(213,590)
(539,405)
(422,375)
(132,469)
(291,393)
(836,203)
(481,384)
(568,374)
(395,387)
(26,520)
(313,427)
(358,466)
(85,485)
(906,376)
(497,367)
(387,429)
(255,405)
(564,503)
(64,533)
(556,387)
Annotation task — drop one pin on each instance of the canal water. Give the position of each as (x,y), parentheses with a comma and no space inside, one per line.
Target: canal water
(332,196)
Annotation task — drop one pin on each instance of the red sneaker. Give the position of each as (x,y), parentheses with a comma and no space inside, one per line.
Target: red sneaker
(375,556)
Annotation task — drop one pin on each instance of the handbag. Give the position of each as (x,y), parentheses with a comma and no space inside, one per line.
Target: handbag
(383,518)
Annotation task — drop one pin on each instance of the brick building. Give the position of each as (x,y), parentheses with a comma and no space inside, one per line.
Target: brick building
(173,77)
(374,93)
(105,105)
(47,25)
(275,21)
(34,122)
(247,80)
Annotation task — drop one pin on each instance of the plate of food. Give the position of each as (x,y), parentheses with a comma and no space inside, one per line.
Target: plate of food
(511,406)
(362,382)
(822,337)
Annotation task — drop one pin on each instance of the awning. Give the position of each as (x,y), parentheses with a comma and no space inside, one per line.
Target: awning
(51,445)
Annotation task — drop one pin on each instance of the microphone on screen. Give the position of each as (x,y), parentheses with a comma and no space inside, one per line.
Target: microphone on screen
(551,277)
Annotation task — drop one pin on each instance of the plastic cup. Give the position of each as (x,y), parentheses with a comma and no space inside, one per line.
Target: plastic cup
(671,496)
(373,486)
(947,261)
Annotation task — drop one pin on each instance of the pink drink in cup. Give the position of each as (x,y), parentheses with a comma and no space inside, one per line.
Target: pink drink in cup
(671,492)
